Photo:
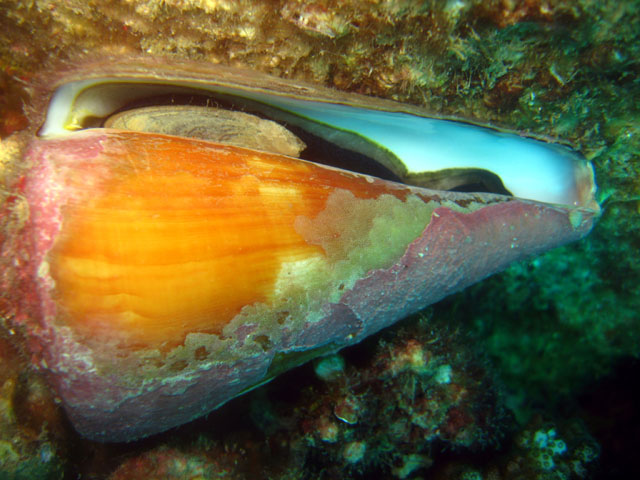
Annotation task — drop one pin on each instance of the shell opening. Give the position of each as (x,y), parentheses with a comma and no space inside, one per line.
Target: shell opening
(394,145)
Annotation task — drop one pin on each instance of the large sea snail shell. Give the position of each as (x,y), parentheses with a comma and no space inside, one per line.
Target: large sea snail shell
(173,274)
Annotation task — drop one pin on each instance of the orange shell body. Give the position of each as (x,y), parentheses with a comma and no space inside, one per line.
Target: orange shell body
(164,236)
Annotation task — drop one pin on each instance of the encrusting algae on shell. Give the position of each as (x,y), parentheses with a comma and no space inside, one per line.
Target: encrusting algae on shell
(169,274)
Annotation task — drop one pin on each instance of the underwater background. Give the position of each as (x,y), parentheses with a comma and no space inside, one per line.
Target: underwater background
(530,374)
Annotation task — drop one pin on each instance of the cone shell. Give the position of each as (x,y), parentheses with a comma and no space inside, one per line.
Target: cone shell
(158,277)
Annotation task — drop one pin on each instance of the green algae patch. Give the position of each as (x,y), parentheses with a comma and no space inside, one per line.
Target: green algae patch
(358,235)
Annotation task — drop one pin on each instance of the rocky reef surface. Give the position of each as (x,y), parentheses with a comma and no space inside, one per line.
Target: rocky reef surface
(525,375)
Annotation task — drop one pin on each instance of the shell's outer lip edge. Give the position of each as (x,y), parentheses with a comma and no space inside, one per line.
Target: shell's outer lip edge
(165,68)
(251,81)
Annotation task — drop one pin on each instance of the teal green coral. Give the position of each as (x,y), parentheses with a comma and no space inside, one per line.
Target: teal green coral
(560,321)
(558,324)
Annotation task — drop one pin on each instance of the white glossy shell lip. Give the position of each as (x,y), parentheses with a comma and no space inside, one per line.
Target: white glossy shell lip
(529,168)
